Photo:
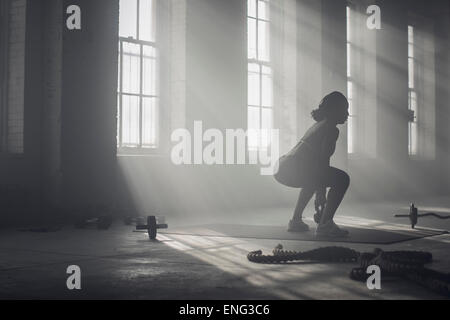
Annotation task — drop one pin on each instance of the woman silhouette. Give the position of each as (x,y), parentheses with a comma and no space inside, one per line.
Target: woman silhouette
(307,166)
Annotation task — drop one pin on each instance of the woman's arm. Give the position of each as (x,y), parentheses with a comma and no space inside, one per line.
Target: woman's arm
(327,150)
(328,147)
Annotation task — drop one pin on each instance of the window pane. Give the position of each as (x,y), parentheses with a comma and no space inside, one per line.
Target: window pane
(251,8)
(411,73)
(413,102)
(263,41)
(267,88)
(253,127)
(349,60)
(263,10)
(350,93)
(350,135)
(251,38)
(348,23)
(149,122)
(130,121)
(266,70)
(266,119)
(413,138)
(149,71)
(411,50)
(131,68)
(266,125)
(409,139)
(118,119)
(147,14)
(119,73)
(410,34)
(128,18)
(254,85)
(350,107)
(253,67)
(350,90)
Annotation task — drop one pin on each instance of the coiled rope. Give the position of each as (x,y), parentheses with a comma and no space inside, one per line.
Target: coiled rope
(407,264)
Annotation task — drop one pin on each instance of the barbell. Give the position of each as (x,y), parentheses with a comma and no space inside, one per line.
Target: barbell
(152,227)
(414,215)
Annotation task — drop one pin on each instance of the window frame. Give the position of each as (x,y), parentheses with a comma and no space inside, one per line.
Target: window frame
(413,151)
(425,115)
(4,37)
(261,64)
(352,144)
(140,148)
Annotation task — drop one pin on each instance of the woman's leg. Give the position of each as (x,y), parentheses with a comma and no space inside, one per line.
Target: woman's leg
(303,199)
(338,181)
(296,224)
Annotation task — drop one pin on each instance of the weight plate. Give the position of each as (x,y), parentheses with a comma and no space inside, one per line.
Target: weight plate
(152,227)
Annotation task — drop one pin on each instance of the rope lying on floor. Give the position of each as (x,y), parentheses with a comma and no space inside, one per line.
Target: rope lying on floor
(432,214)
(328,254)
(407,264)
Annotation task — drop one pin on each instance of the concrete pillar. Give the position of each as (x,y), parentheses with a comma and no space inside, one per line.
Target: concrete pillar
(392,83)
(89,99)
(334,63)
(309,61)
(51,108)
(442,36)
(216,63)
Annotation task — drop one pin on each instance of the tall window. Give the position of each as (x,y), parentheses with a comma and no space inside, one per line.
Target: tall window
(4,28)
(12,73)
(260,75)
(412,94)
(350,84)
(138,89)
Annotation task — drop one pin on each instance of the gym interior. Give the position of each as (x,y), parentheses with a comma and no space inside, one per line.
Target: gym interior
(114,120)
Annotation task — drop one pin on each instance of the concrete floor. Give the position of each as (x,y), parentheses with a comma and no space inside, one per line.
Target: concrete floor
(121,264)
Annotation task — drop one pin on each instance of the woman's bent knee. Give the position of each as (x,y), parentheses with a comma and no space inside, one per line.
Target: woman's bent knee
(341,179)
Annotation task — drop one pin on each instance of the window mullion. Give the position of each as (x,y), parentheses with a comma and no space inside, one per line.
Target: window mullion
(259,77)
(260,65)
(121,96)
(138,5)
(260,107)
(4,35)
(141,124)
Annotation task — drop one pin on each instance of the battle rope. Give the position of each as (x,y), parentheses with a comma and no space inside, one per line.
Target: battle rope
(432,214)
(328,254)
(408,264)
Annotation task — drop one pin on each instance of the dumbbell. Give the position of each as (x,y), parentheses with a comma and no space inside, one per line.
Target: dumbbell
(152,227)
(319,207)
(101,223)
(414,215)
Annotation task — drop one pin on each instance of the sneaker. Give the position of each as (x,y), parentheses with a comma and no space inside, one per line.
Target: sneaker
(297,226)
(330,230)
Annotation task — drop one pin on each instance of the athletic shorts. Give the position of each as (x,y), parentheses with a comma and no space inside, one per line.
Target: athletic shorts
(296,172)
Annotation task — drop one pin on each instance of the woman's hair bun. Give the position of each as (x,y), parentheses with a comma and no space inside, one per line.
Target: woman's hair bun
(325,107)
(318,115)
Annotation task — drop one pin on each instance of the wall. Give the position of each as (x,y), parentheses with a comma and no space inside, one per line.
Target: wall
(16,76)
(442,32)
(51,111)
(89,98)
(215,88)
(392,173)
(70,108)
(20,160)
